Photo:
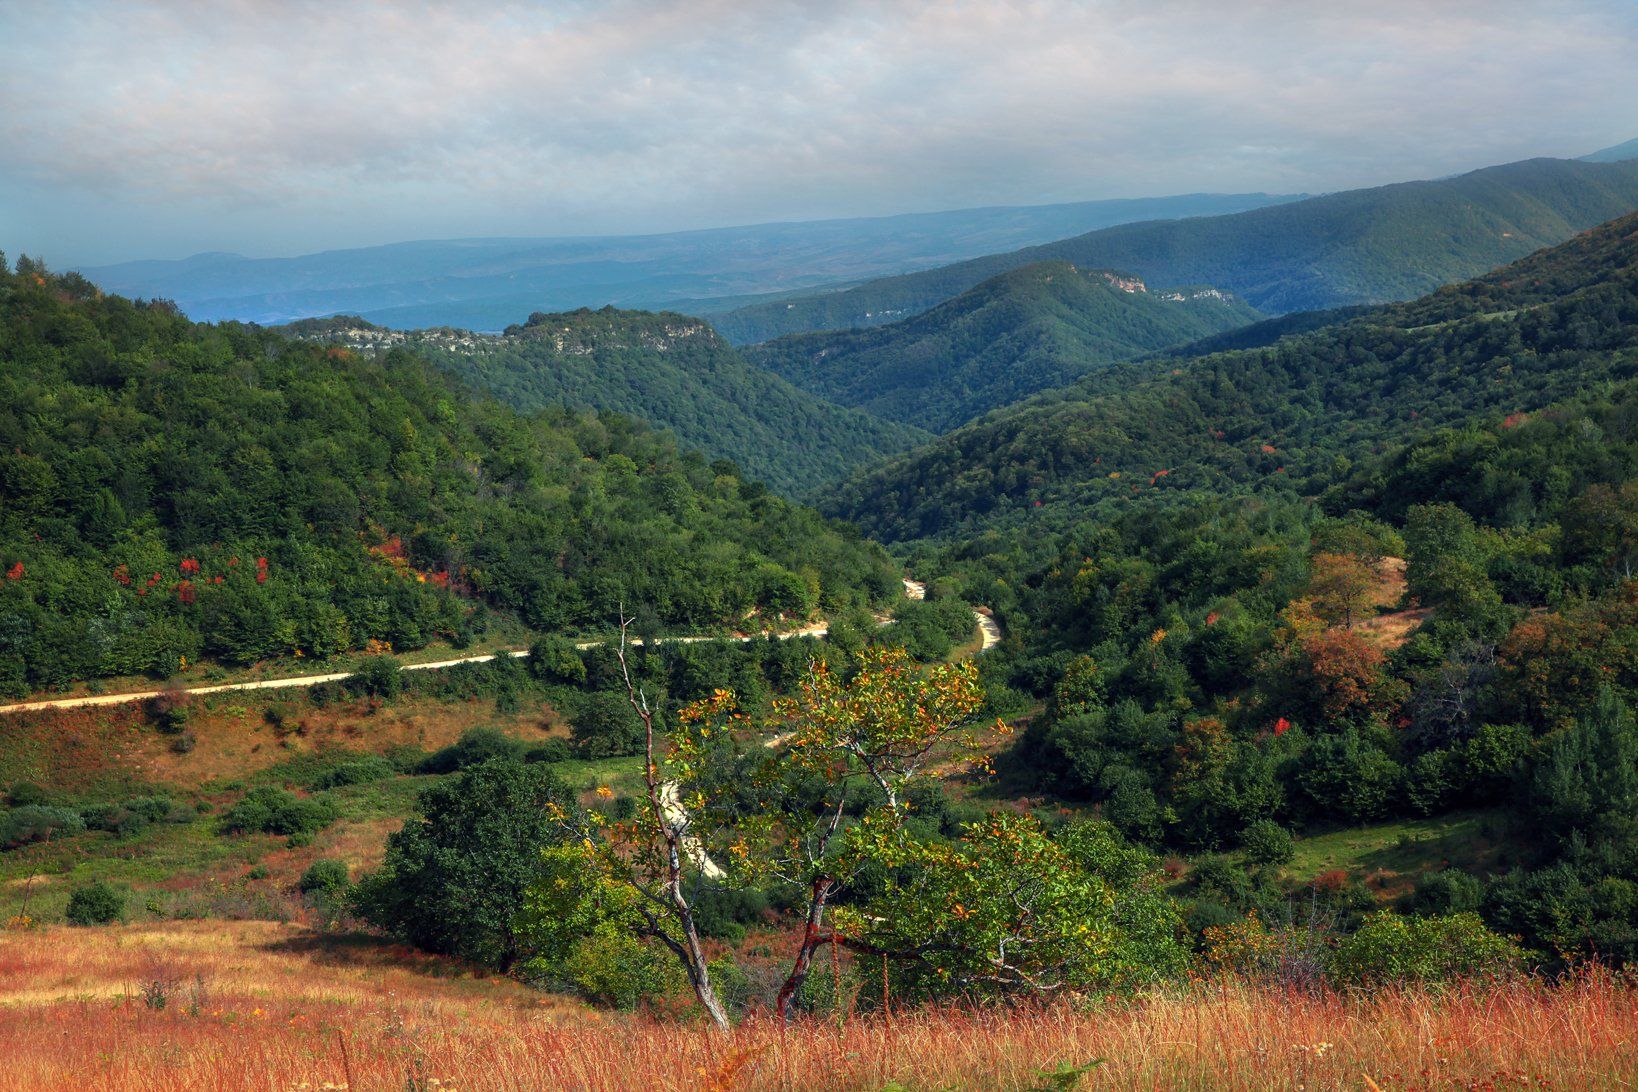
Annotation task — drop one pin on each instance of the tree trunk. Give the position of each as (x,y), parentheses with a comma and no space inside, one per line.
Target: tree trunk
(699,976)
(811,939)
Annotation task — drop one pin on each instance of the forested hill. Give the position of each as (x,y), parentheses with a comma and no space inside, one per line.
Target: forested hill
(1360,246)
(171,491)
(1025,331)
(1290,415)
(671,370)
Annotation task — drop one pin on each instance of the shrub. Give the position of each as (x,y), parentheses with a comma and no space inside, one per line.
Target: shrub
(1268,843)
(324,877)
(475,747)
(168,712)
(37,823)
(97,903)
(552,750)
(1348,777)
(324,694)
(612,967)
(1450,891)
(357,771)
(604,726)
(1392,948)
(114,818)
(24,793)
(724,912)
(556,660)
(269,810)
(378,677)
(131,817)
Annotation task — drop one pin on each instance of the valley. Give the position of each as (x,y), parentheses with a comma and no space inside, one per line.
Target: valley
(1189,642)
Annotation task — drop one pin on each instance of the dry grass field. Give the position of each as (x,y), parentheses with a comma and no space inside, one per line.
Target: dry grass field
(257,1005)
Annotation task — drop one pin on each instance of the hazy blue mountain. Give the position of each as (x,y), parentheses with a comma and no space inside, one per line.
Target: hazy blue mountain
(1343,249)
(487,284)
(1617,153)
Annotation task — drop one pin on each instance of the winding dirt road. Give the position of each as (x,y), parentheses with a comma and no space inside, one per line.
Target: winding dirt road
(912,589)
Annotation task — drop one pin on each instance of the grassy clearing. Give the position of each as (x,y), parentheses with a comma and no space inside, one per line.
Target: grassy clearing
(261,1005)
(1390,856)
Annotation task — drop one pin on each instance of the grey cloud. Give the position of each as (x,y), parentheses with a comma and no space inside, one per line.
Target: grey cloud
(277,127)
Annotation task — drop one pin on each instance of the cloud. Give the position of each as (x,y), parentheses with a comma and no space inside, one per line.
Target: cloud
(293,124)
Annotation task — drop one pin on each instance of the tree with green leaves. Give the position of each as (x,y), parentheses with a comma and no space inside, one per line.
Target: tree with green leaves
(454,877)
(740,802)
(1010,909)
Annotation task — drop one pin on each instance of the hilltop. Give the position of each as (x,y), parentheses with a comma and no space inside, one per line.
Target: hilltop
(670,370)
(1356,247)
(1024,331)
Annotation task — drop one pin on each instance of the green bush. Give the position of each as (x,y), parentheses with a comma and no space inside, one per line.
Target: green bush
(454,876)
(1392,948)
(269,810)
(37,823)
(1348,777)
(97,903)
(324,877)
(603,725)
(378,677)
(552,750)
(24,793)
(133,816)
(1450,891)
(475,747)
(1267,843)
(612,967)
(357,771)
(556,660)
(167,712)
(724,912)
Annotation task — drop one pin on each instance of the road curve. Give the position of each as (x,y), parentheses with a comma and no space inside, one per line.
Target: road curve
(912,589)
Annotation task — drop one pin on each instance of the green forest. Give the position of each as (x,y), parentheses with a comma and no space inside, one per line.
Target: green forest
(171,491)
(671,371)
(1290,416)
(1357,578)
(1026,331)
(1369,575)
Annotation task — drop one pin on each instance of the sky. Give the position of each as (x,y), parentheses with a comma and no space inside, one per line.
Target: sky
(157,129)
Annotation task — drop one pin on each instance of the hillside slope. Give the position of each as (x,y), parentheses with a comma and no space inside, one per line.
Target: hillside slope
(1361,246)
(670,370)
(488,283)
(170,491)
(1537,332)
(1022,332)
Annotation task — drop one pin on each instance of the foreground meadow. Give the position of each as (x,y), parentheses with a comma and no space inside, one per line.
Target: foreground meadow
(259,1005)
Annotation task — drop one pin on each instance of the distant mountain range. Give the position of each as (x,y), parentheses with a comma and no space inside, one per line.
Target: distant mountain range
(1356,247)
(488,284)
(1614,154)
(1024,331)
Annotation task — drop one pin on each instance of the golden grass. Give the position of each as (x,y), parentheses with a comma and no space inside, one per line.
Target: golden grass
(87,750)
(284,1008)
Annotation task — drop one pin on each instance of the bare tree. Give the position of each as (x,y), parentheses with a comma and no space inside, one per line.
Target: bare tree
(678,848)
